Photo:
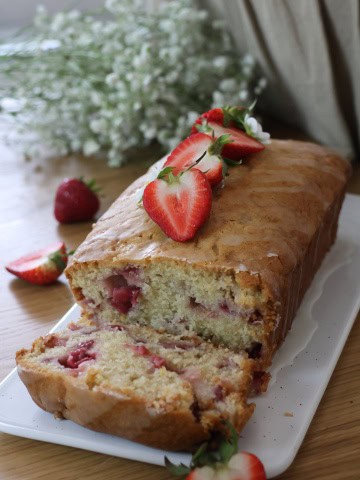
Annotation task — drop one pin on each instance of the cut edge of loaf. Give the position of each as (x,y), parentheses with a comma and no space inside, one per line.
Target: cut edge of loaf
(176,411)
(231,310)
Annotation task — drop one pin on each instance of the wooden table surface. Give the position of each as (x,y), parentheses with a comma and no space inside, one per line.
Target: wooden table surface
(331,447)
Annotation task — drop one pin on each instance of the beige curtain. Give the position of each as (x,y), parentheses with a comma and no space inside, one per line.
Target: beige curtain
(310,52)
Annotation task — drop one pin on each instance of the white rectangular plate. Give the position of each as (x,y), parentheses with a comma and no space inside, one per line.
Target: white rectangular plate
(301,371)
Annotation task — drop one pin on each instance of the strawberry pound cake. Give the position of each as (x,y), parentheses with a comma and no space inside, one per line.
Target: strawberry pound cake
(158,389)
(241,279)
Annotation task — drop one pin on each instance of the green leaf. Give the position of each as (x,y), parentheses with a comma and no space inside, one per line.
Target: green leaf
(177,470)
(199,452)
(227,116)
(93,185)
(165,172)
(213,453)
(237,115)
(204,127)
(219,143)
(58,258)
(226,451)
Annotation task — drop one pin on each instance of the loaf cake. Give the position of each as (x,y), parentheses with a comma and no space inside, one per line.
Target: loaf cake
(159,389)
(242,278)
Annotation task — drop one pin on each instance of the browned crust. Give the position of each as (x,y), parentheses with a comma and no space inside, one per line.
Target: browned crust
(106,411)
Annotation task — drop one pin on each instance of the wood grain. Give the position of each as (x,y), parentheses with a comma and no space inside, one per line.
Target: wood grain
(330,449)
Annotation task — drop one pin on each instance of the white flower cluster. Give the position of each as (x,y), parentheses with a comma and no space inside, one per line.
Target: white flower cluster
(104,84)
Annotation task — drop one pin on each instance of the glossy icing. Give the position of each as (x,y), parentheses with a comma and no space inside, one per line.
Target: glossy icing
(275,202)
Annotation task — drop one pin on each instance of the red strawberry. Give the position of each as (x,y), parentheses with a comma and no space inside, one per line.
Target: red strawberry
(124,298)
(80,355)
(42,267)
(213,115)
(222,463)
(191,149)
(242,144)
(179,204)
(228,121)
(76,200)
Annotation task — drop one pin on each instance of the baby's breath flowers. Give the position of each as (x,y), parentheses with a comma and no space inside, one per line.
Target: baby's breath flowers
(106,83)
(254,129)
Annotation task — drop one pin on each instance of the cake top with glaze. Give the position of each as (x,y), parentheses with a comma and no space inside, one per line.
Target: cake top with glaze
(261,222)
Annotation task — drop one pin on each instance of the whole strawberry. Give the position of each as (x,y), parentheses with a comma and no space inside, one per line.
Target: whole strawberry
(76,200)
(42,267)
(219,459)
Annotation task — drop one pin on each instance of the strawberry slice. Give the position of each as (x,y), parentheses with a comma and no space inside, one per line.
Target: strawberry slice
(242,144)
(229,121)
(42,267)
(179,204)
(194,147)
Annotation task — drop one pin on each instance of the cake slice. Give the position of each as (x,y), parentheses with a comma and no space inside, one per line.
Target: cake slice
(162,390)
(240,281)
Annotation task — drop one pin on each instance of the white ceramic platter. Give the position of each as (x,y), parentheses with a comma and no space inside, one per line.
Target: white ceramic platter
(301,370)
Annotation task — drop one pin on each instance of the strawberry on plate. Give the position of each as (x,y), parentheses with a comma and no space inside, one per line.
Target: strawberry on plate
(178,203)
(76,200)
(229,121)
(42,267)
(242,466)
(202,150)
(221,463)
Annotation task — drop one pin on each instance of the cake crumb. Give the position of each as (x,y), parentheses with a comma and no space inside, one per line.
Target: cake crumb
(288,414)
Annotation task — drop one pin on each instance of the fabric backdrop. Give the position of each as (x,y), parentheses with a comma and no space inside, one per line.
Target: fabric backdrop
(309,50)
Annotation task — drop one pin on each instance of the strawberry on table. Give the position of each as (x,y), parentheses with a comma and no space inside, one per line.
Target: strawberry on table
(231,121)
(196,146)
(178,203)
(76,200)
(42,267)
(221,463)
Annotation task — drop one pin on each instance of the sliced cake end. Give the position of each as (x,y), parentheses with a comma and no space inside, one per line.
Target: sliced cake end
(162,390)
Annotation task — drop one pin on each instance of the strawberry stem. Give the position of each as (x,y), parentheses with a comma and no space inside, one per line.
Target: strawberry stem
(167,175)
(91,184)
(237,115)
(217,451)
(204,127)
(58,258)
(219,143)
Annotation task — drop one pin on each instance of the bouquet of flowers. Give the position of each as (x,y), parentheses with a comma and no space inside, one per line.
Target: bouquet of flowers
(104,82)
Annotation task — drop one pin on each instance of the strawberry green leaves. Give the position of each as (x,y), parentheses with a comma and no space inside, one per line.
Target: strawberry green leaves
(219,459)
